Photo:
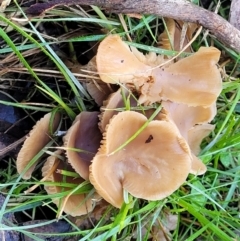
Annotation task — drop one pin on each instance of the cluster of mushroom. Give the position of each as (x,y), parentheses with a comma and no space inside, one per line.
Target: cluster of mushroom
(135,147)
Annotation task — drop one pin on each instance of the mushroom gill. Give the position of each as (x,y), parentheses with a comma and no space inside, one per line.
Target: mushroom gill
(82,142)
(76,204)
(151,166)
(38,137)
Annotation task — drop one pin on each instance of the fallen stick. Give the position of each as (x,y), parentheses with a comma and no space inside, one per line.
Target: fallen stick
(176,9)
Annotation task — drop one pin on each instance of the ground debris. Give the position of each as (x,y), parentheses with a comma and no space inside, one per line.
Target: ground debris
(57,227)
(8,219)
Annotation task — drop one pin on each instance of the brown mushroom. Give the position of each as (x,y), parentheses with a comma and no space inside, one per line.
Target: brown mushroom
(194,80)
(150,59)
(172,39)
(151,166)
(195,136)
(38,137)
(117,64)
(98,89)
(82,142)
(166,39)
(76,204)
(185,117)
(114,102)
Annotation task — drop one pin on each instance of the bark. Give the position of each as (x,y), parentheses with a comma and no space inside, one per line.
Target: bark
(235,14)
(176,9)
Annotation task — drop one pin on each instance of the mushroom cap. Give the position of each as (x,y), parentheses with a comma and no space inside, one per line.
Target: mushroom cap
(116,63)
(197,167)
(152,166)
(84,135)
(98,91)
(185,116)
(188,120)
(77,204)
(194,80)
(110,106)
(174,33)
(38,137)
(195,136)
(166,38)
(116,101)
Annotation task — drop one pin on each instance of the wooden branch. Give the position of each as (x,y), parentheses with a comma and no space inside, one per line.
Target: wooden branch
(176,9)
(235,14)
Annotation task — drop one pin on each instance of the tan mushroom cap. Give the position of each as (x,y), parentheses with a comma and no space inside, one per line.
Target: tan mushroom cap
(84,135)
(166,39)
(152,166)
(194,80)
(98,91)
(112,104)
(185,116)
(115,103)
(188,120)
(117,64)
(174,34)
(195,136)
(38,137)
(77,204)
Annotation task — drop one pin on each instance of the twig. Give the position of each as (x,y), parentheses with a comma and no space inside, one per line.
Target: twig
(10,147)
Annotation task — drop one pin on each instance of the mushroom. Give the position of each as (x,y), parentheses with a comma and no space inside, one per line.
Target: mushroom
(115,103)
(112,104)
(150,59)
(151,166)
(82,142)
(188,120)
(166,39)
(172,39)
(117,64)
(98,89)
(185,117)
(194,80)
(38,137)
(76,204)
(195,136)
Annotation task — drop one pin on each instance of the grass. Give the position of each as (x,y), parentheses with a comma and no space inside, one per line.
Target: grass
(204,208)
